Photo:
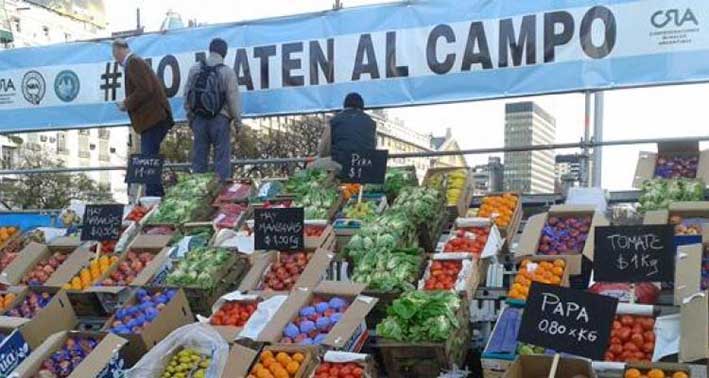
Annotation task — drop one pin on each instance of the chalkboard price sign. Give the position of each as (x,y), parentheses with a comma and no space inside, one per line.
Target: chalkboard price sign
(634,254)
(279,229)
(365,167)
(144,169)
(102,222)
(568,320)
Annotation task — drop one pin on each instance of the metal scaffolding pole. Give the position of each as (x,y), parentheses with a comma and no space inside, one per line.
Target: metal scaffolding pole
(598,138)
(585,169)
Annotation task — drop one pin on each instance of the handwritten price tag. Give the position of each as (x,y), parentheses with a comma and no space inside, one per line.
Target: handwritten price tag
(567,320)
(634,254)
(279,229)
(145,169)
(102,222)
(365,167)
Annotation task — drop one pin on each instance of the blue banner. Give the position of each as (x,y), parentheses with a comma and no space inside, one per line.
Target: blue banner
(408,53)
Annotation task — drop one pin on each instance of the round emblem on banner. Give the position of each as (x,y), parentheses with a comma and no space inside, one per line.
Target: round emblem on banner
(33,87)
(66,86)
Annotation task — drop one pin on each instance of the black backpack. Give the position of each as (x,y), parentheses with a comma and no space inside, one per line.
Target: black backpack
(206,95)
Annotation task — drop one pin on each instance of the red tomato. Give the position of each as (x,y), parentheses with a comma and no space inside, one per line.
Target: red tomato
(627,320)
(357,372)
(637,339)
(624,334)
(334,370)
(649,336)
(630,347)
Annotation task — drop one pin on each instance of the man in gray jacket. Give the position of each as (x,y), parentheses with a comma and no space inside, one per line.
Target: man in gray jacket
(212,104)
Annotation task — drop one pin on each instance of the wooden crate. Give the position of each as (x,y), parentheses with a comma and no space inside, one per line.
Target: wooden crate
(379,312)
(430,233)
(426,360)
(466,195)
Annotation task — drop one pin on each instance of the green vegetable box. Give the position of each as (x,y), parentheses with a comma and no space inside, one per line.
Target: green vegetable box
(188,201)
(355,212)
(205,274)
(424,334)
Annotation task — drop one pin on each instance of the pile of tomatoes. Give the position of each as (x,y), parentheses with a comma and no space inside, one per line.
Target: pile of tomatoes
(312,231)
(339,370)
(443,274)
(468,240)
(137,213)
(632,339)
(233,314)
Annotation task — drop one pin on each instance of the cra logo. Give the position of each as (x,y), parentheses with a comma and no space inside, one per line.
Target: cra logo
(662,18)
(33,87)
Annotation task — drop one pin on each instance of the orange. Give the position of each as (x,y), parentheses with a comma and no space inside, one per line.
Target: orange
(656,373)
(283,358)
(298,357)
(680,374)
(267,362)
(282,374)
(560,263)
(293,367)
(555,280)
(266,354)
(632,373)
(558,271)
(257,367)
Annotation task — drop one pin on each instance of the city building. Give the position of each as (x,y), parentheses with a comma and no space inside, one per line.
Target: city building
(42,22)
(533,171)
(449,144)
(393,135)
(488,178)
(569,171)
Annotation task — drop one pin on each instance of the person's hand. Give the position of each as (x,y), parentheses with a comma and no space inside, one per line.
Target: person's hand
(121,106)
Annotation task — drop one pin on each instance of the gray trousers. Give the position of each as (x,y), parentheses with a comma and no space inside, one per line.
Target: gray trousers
(208,132)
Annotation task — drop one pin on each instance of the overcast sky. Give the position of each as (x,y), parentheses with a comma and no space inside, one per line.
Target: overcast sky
(629,114)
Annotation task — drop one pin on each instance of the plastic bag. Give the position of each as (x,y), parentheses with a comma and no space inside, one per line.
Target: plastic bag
(197,336)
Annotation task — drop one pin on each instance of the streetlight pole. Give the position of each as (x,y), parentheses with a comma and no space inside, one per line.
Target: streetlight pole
(337,5)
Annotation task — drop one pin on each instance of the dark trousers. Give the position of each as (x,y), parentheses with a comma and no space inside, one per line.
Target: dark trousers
(207,133)
(150,141)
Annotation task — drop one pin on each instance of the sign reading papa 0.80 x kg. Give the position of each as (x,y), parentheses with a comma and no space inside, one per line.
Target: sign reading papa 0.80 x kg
(634,254)
(568,320)
(279,229)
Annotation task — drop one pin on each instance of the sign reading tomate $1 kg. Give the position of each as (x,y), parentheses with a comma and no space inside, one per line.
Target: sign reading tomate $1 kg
(634,254)
(279,229)
(568,320)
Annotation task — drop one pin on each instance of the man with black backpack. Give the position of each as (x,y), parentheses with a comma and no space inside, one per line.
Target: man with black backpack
(212,105)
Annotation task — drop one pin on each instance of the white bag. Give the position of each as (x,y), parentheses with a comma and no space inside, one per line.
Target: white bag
(199,337)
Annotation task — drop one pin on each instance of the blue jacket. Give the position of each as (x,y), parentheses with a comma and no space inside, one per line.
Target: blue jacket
(352,129)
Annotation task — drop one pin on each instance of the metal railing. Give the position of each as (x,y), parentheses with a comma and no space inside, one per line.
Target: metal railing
(480,151)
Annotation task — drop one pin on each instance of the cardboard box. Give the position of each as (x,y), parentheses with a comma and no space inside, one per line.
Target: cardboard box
(365,361)
(175,314)
(647,161)
(14,349)
(494,239)
(57,315)
(32,254)
(668,368)
(65,243)
(468,278)
(688,209)
(309,352)
(529,241)
(239,362)
(151,242)
(349,334)
(540,366)
(142,279)
(105,360)
(261,262)
(325,241)
(509,232)
(694,328)
(227,186)
(688,272)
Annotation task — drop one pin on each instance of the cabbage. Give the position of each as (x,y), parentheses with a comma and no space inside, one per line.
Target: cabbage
(421,317)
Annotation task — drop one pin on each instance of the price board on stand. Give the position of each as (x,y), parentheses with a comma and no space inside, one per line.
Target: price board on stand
(634,254)
(279,229)
(364,167)
(102,222)
(568,320)
(145,169)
